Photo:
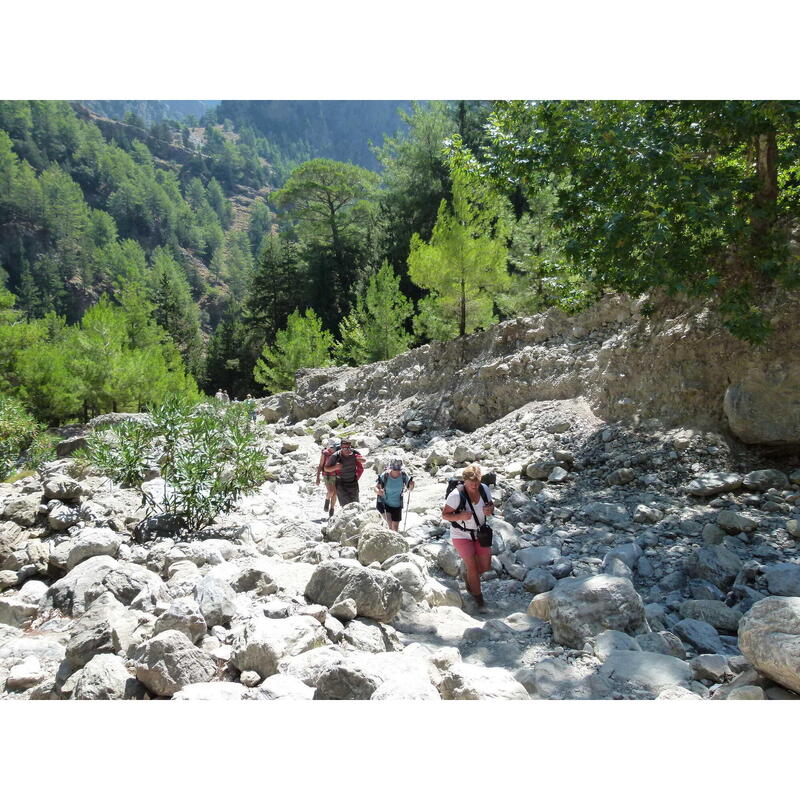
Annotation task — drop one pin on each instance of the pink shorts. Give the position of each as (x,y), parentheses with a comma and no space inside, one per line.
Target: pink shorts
(466,548)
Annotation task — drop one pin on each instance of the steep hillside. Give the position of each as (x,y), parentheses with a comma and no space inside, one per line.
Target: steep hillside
(337,129)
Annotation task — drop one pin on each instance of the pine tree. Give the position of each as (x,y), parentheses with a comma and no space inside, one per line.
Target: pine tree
(386,310)
(303,343)
(463,264)
(175,310)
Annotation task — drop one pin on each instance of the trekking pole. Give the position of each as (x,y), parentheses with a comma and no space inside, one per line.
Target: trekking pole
(408,503)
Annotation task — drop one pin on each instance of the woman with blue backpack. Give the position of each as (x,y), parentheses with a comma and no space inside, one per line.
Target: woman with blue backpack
(466,508)
(390,488)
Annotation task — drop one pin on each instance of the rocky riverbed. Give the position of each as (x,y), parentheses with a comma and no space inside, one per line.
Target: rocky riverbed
(630,561)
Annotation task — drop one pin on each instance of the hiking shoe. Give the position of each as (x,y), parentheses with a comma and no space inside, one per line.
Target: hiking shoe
(327,503)
(330,513)
(479,600)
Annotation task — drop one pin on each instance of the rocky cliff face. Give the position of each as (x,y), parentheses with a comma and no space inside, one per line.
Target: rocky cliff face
(678,366)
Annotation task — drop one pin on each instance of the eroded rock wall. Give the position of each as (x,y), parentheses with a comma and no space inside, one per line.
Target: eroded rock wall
(678,365)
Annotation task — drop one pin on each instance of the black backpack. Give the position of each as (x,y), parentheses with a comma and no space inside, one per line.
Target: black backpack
(457,483)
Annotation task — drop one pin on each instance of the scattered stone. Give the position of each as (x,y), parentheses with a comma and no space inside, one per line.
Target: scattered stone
(746,693)
(732,522)
(62,487)
(716,564)
(714,613)
(699,635)
(714,483)
(651,670)
(783,579)
(105,677)
(762,479)
(263,642)
(464,681)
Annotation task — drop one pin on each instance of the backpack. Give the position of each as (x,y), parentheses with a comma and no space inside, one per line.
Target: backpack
(457,483)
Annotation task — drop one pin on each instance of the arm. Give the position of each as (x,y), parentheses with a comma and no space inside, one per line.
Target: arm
(449,514)
(332,465)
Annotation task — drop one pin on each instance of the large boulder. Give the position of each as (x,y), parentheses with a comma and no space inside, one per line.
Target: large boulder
(20,608)
(365,676)
(769,638)
(762,479)
(23,510)
(377,543)
(217,690)
(92,542)
(699,635)
(375,594)
(183,615)
(762,406)
(105,677)
(580,608)
(72,593)
(651,670)
(712,483)
(263,642)
(464,681)
(62,487)
(93,632)
(168,662)
(216,600)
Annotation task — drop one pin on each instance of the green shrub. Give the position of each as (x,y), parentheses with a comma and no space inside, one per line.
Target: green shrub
(122,452)
(23,443)
(208,457)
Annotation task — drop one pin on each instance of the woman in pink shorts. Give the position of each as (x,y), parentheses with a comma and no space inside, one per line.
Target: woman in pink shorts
(463,526)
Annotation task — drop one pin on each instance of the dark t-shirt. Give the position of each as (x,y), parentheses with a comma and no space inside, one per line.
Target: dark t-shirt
(348,465)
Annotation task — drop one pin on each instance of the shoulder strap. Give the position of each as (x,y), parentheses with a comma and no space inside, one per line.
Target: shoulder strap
(472,508)
(483,494)
(382,479)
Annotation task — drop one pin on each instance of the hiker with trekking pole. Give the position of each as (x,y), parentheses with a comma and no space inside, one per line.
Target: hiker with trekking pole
(468,504)
(390,487)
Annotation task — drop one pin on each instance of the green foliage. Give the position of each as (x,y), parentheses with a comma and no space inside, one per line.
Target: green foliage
(116,359)
(122,453)
(415,176)
(208,456)
(351,347)
(375,328)
(23,443)
(332,206)
(464,263)
(692,197)
(174,310)
(386,311)
(303,343)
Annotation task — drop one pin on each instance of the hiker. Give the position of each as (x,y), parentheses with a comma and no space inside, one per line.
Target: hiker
(390,488)
(219,396)
(466,523)
(347,465)
(252,409)
(330,480)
